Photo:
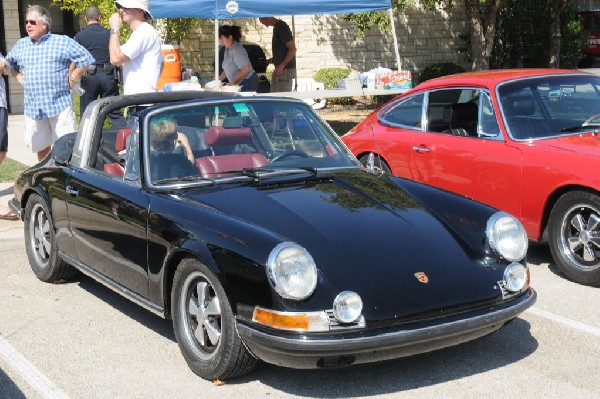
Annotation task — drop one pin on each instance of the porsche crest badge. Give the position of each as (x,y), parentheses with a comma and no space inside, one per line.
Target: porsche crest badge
(422,277)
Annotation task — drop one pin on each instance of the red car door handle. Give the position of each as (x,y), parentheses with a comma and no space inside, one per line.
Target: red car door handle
(420,149)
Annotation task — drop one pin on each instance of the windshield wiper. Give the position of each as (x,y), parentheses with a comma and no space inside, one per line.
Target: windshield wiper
(588,126)
(181,179)
(265,173)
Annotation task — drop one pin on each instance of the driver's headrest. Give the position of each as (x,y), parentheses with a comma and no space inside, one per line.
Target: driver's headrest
(521,106)
(219,135)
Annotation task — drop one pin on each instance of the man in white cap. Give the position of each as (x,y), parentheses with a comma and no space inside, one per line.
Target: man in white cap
(140,56)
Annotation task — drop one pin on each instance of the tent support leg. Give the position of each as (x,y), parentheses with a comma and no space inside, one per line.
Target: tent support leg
(398,62)
(216,49)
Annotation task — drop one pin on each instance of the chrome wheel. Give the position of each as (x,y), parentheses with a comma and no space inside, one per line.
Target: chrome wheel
(202,315)
(39,234)
(40,244)
(204,324)
(574,236)
(581,236)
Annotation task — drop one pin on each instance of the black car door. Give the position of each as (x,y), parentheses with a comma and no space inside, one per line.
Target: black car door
(108,217)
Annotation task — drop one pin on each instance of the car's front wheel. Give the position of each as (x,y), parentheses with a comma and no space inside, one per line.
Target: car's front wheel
(40,245)
(378,162)
(574,234)
(204,324)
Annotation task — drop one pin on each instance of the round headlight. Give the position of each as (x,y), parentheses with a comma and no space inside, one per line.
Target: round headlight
(507,236)
(347,306)
(516,277)
(292,271)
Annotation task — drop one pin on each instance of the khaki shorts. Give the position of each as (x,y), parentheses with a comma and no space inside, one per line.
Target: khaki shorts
(42,133)
(284,81)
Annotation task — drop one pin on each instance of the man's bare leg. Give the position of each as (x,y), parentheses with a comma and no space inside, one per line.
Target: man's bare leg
(42,153)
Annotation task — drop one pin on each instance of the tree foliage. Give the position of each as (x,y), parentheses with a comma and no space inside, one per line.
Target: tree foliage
(172,30)
(522,41)
(365,20)
(544,32)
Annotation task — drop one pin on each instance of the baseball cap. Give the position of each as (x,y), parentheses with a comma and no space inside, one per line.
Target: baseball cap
(140,4)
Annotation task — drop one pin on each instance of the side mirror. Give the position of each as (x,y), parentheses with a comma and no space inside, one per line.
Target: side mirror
(63,148)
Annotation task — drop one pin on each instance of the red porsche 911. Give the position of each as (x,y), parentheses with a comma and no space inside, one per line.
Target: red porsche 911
(524,140)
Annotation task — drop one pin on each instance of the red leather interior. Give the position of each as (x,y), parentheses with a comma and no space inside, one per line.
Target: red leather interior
(121,142)
(120,145)
(114,169)
(213,166)
(219,135)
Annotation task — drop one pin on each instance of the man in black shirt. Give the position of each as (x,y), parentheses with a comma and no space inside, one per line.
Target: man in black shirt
(100,78)
(284,55)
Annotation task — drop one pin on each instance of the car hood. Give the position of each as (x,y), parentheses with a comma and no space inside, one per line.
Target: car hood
(580,144)
(368,235)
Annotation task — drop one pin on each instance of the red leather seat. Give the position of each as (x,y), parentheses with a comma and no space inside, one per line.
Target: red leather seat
(120,145)
(121,141)
(216,136)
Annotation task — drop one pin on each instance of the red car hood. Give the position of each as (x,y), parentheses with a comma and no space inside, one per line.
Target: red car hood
(581,144)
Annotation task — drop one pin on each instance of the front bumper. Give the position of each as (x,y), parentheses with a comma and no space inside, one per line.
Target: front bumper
(364,346)
(14,206)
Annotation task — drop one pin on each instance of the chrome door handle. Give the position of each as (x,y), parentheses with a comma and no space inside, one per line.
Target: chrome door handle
(420,149)
(71,191)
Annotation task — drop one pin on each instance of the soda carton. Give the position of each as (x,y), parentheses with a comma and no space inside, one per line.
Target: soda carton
(394,80)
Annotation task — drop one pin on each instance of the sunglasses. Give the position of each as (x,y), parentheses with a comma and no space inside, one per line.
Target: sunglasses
(31,22)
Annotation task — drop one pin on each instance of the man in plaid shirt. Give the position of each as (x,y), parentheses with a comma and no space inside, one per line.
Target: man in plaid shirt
(41,63)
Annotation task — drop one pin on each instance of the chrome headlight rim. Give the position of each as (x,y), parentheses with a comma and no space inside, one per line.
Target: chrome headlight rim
(278,282)
(342,312)
(496,243)
(516,277)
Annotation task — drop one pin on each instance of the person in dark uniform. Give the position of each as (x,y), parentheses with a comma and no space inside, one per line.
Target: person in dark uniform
(100,78)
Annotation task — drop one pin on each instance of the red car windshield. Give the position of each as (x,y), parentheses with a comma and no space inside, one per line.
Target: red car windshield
(551,106)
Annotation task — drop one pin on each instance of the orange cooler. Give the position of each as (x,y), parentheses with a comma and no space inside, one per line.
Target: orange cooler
(172,65)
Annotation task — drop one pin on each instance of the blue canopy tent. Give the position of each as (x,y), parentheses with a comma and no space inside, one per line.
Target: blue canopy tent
(230,9)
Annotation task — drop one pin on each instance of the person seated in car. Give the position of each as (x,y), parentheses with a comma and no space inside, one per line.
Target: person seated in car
(172,154)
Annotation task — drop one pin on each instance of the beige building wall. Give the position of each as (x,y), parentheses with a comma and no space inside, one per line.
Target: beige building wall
(326,41)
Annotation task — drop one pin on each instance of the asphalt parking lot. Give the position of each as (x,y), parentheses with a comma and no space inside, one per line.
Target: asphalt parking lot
(81,340)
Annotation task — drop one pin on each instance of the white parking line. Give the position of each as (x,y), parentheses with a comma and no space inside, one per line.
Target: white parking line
(46,388)
(565,321)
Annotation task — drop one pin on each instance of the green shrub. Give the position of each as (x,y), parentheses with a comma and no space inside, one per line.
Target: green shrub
(438,70)
(329,77)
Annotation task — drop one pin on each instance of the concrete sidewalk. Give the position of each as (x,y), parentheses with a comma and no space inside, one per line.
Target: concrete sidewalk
(18,152)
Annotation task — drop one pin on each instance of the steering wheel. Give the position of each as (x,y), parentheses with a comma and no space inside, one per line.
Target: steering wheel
(292,153)
(591,118)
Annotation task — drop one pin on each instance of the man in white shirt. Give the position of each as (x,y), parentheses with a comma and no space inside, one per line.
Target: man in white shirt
(140,56)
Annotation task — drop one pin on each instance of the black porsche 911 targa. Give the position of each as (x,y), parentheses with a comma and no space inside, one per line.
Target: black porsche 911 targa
(247,222)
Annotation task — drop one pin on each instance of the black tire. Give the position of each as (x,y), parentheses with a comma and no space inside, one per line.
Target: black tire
(574,236)
(211,347)
(41,248)
(379,163)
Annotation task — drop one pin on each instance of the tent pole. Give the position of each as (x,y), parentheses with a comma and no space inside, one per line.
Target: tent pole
(216,49)
(295,88)
(398,62)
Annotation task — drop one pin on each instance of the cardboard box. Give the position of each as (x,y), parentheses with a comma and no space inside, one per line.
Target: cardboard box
(394,80)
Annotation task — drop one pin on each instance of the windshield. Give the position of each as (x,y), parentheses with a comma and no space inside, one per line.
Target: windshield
(551,106)
(249,138)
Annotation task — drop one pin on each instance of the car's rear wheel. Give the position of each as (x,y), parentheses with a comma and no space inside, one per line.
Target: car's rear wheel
(204,324)
(574,233)
(40,245)
(378,161)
